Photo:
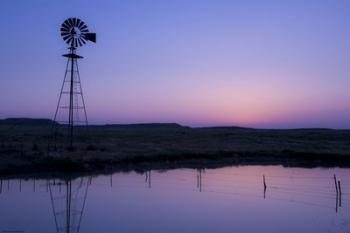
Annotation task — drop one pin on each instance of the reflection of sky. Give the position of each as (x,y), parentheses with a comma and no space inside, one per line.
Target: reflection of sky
(297,200)
(251,63)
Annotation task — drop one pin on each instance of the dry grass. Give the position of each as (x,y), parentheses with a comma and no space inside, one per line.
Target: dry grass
(26,145)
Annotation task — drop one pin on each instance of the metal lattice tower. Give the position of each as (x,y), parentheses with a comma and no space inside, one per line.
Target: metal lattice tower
(71,111)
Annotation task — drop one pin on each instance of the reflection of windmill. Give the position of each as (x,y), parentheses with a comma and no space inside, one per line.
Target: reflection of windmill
(68,203)
(70,109)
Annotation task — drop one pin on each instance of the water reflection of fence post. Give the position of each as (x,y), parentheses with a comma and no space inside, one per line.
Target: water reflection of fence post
(0,185)
(339,189)
(199,179)
(264,181)
(20,185)
(34,184)
(335,183)
(338,193)
(149,179)
(336,205)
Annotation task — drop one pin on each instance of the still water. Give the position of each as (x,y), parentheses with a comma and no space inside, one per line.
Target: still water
(231,199)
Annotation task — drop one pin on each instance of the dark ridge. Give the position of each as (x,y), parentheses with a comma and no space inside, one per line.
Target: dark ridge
(225,127)
(149,125)
(26,122)
(43,122)
(267,129)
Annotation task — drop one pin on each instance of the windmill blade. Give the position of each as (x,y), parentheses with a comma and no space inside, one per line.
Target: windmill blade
(84,27)
(85,30)
(72,42)
(79,41)
(90,36)
(77,22)
(66,24)
(64,28)
(66,37)
(80,23)
(63,34)
(70,20)
(69,40)
(74,22)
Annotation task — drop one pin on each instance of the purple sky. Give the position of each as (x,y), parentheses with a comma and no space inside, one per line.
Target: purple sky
(268,64)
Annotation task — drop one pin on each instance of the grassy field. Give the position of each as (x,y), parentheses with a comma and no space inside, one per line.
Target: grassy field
(24,147)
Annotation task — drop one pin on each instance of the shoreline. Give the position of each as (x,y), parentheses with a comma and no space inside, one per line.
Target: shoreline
(65,166)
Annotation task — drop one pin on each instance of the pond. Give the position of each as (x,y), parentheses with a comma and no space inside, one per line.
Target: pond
(229,199)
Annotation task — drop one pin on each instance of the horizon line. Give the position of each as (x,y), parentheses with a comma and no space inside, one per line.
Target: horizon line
(184,125)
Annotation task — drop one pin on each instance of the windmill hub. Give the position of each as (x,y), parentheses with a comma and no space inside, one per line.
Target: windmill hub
(74,32)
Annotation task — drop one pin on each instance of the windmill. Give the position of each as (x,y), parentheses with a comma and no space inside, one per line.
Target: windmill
(71,111)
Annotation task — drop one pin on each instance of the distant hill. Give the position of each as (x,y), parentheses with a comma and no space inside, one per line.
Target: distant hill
(26,121)
(42,122)
(149,125)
